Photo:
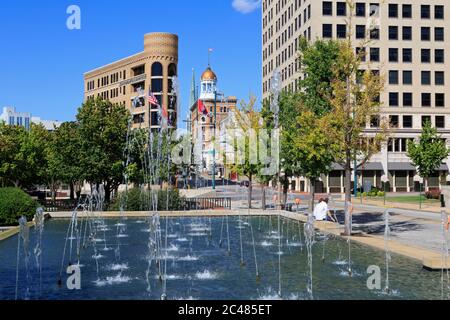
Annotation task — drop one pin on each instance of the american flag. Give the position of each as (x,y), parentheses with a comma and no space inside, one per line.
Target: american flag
(152,99)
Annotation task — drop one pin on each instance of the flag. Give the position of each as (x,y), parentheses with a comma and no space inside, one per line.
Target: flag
(152,99)
(164,112)
(202,109)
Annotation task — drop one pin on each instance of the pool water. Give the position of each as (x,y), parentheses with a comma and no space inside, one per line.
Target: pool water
(199,265)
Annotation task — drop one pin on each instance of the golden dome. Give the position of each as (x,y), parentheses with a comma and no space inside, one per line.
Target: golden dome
(209,75)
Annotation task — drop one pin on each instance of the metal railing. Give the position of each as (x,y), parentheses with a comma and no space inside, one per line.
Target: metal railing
(207,203)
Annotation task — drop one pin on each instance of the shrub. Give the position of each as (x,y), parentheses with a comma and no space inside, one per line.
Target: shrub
(141,200)
(433,194)
(15,203)
(380,194)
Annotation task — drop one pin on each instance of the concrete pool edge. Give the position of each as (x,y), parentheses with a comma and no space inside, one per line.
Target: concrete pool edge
(431,260)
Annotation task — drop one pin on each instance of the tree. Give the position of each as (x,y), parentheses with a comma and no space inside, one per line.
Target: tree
(314,147)
(23,159)
(289,161)
(64,157)
(355,101)
(429,152)
(248,127)
(316,61)
(103,129)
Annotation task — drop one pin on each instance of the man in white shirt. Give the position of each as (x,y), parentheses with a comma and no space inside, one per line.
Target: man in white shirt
(321,212)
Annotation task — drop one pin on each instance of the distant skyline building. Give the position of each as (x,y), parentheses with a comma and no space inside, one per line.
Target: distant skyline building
(406,42)
(11,116)
(130,80)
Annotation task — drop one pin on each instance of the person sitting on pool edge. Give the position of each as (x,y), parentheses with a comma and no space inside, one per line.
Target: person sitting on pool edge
(321,211)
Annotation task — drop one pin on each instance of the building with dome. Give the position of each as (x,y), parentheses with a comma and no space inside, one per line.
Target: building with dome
(202,123)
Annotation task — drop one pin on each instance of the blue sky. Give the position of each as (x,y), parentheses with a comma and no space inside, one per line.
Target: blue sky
(42,62)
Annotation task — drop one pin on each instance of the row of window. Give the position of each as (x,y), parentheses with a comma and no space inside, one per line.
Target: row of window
(19,121)
(374,33)
(406,55)
(374,9)
(439,99)
(439,77)
(406,121)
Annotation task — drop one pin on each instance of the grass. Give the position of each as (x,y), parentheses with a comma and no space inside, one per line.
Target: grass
(411,199)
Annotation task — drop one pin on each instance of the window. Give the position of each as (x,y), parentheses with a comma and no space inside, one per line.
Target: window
(157,69)
(426,99)
(327,31)
(426,55)
(327,8)
(439,12)
(426,78)
(407,77)
(407,33)
(393,99)
(393,121)
(393,33)
(393,10)
(407,99)
(341,31)
(439,56)
(440,122)
(393,77)
(374,10)
(375,54)
(341,9)
(439,78)
(425,120)
(172,71)
(374,121)
(360,31)
(375,33)
(361,53)
(438,34)
(360,9)
(393,55)
(425,11)
(440,99)
(407,55)
(406,11)
(425,33)
(407,121)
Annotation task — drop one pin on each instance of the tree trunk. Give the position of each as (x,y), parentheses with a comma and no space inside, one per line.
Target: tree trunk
(285,190)
(312,184)
(250,189)
(348,191)
(72,191)
(263,200)
(107,193)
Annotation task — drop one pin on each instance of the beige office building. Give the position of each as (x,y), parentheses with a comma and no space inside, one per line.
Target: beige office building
(128,81)
(409,47)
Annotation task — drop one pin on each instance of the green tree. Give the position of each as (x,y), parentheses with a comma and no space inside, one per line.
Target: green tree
(64,156)
(248,126)
(316,61)
(103,128)
(23,160)
(429,152)
(355,102)
(314,147)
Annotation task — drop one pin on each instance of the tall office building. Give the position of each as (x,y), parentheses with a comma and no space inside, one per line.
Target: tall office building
(407,45)
(129,80)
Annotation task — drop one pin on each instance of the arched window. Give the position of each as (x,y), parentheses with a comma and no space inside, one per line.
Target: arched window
(172,70)
(157,69)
